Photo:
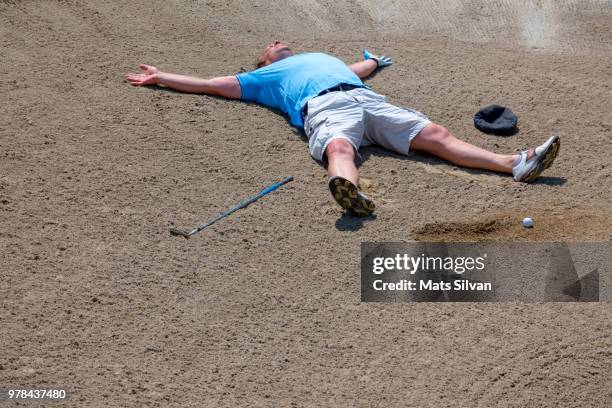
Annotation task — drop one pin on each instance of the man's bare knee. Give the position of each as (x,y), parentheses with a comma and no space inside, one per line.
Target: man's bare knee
(340,148)
(433,138)
(441,135)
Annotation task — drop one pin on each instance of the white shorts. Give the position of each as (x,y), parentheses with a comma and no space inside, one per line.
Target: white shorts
(363,118)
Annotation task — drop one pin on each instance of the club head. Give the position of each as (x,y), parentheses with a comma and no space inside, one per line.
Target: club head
(179,232)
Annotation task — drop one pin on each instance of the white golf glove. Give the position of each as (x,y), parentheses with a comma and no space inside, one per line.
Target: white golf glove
(382,61)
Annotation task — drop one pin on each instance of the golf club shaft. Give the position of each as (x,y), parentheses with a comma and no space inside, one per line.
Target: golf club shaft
(242,204)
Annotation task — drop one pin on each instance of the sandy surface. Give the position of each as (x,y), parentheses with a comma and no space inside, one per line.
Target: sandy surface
(263,308)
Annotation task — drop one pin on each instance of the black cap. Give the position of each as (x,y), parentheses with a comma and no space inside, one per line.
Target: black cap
(497,120)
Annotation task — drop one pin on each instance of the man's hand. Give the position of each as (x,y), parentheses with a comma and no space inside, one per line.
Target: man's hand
(369,64)
(149,76)
(381,61)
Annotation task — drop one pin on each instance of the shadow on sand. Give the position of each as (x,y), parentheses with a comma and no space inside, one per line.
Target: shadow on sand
(348,222)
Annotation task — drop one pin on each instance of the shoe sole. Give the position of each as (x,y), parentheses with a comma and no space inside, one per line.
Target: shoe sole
(346,195)
(547,160)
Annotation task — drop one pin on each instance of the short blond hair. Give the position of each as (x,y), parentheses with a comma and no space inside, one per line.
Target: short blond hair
(261,61)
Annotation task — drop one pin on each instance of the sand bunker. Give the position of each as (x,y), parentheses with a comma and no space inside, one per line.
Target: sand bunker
(263,309)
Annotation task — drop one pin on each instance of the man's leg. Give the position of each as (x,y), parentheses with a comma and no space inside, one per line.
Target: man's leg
(400,130)
(341,160)
(344,178)
(437,140)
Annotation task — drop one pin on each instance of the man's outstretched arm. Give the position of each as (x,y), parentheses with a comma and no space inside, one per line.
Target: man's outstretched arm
(369,64)
(228,86)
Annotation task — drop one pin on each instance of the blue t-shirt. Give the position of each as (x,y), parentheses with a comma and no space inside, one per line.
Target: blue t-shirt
(288,84)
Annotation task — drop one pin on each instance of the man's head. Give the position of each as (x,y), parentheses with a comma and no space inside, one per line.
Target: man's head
(275,51)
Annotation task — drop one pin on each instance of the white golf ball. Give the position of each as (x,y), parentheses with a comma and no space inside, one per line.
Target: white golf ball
(527,222)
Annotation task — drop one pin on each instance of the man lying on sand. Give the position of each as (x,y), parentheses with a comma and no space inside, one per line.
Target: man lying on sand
(340,114)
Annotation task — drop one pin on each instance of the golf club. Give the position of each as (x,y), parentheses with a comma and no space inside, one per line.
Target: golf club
(242,204)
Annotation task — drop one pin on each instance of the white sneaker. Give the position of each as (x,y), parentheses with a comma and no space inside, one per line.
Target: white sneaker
(528,170)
